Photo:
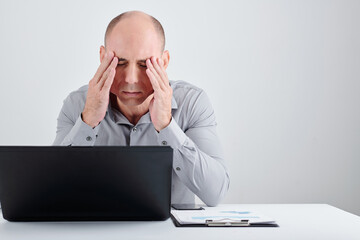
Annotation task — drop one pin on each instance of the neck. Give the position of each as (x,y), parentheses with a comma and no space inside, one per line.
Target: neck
(132,113)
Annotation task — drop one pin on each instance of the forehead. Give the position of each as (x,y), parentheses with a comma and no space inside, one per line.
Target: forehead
(133,40)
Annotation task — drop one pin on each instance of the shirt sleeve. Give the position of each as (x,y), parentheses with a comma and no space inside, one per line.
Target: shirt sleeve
(71,129)
(198,159)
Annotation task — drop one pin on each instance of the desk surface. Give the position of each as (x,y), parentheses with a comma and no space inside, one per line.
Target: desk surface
(297,221)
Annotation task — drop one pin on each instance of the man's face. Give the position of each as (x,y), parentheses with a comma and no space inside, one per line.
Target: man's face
(132,44)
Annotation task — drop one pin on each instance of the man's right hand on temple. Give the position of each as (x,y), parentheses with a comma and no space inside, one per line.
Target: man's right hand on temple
(97,99)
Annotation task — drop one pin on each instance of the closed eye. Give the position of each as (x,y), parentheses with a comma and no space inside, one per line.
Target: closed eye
(123,64)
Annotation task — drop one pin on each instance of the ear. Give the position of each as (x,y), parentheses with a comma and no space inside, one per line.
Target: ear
(102,53)
(166,58)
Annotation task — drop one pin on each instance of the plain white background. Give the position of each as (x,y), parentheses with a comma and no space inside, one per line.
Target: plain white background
(283,78)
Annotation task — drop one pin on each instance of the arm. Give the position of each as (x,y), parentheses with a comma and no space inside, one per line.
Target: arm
(80,126)
(197,155)
(198,159)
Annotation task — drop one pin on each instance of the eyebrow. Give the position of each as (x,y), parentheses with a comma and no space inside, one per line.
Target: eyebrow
(123,59)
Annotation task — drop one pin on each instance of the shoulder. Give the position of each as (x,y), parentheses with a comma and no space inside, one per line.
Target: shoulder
(193,105)
(77,98)
(182,87)
(74,103)
(78,94)
(186,93)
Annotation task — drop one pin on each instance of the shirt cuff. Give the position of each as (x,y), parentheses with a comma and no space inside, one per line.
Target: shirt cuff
(172,135)
(82,134)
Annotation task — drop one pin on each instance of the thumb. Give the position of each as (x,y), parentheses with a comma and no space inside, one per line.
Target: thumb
(149,98)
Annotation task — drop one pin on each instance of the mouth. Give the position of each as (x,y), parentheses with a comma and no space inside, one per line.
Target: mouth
(131,94)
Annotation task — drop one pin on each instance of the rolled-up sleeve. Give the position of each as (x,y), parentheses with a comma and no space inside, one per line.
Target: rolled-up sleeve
(198,158)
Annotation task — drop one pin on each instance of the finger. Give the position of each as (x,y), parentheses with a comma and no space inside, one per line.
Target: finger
(153,81)
(149,98)
(161,64)
(104,65)
(157,77)
(161,71)
(109,81)
(105,76)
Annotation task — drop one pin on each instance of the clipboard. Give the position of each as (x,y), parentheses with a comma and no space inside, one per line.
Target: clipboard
(220,217)
(224,223)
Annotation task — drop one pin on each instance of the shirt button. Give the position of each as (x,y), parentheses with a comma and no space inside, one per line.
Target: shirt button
(164,143)
(178,169)
(88,138)
(134,129)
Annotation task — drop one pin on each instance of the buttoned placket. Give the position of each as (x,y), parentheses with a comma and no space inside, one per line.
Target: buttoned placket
(134,135)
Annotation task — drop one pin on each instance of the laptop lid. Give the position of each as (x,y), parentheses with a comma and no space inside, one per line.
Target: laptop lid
(58,183)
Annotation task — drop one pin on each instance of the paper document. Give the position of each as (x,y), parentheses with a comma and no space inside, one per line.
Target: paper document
(219,215)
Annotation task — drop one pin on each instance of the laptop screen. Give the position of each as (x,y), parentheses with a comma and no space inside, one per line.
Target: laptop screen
(85,183)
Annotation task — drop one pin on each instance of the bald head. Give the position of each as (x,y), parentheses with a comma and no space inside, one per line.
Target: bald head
(140,19)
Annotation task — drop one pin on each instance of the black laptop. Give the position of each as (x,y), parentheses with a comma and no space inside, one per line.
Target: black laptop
(107,183)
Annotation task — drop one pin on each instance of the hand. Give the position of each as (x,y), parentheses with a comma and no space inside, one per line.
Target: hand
(160,105)
(97,99)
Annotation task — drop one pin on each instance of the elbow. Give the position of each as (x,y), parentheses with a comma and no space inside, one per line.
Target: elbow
(214,197)
(212,203)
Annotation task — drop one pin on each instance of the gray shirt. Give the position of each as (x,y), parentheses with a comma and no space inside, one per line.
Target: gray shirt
(198,165)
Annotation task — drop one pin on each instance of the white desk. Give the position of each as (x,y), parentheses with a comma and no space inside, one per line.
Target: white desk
(297,221)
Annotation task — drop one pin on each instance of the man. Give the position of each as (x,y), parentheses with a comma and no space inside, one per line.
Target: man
(130,101)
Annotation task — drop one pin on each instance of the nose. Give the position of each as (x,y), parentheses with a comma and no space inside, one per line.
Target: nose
(131,74)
